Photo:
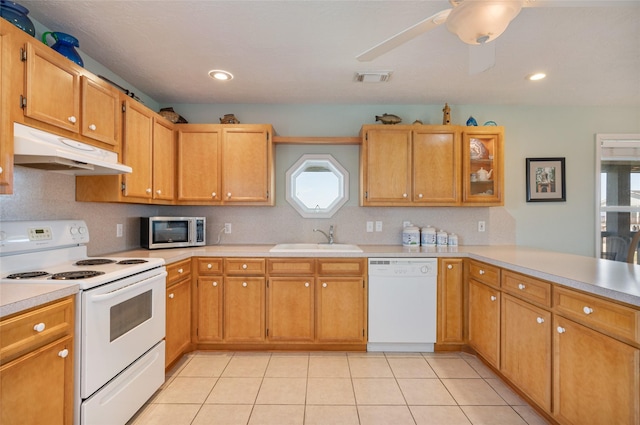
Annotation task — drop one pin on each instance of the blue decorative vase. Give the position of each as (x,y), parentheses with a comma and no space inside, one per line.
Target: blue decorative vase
(17,15)
(65,45)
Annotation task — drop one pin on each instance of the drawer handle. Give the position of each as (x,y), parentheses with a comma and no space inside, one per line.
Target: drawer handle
(180,271)
(215,283)
(540,320)
(159,192)
(521,286)
(561,330)
(244,284)
(92,127)
(63,353)
(450,266)
(481,271)
(420,195)
(39,327)
(171,295)
(404,195)
(324,285)
(148,190)
(306,284)
(587,310)
(244,267)
(72,119)
(209,266)
(229,195)
(213,194)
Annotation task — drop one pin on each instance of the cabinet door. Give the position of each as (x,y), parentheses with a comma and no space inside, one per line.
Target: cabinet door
(247,165)
(164,160)
(137,150)
(199,162)
(37,388)
(386,167)
(482,178)
(244,304)
(178,331)
(52,88)
(526,349)
(101,112)
(210,290)
(451,301)
(484,321)
(436,166)
(596,378)
(341,309)
(6,125)
(291,309)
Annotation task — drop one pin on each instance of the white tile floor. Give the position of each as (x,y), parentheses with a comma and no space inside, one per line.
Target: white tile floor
(212,388)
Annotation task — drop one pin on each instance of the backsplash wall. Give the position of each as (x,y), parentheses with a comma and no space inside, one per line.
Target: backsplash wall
(46,195)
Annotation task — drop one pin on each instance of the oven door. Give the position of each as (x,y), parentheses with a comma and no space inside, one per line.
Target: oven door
(120,322)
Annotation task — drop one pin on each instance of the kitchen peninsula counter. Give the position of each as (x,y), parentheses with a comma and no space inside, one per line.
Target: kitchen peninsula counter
(17,297)
(614,280)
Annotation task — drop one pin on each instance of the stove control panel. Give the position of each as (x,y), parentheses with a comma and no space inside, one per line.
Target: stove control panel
(19,236)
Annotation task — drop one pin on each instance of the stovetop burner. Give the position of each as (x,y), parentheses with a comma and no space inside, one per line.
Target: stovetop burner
(27,275)
(132,261)
(79,274)
(94,262)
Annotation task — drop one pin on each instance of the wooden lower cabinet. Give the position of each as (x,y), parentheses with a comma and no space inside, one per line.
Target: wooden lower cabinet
(244,309)
(341,304)
(484,321)
(178,330)
(450,322)
(210,299)
(596,378)
(290,307)
(526,348)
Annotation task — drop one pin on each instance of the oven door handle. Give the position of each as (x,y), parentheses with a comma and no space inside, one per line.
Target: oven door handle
(126,289)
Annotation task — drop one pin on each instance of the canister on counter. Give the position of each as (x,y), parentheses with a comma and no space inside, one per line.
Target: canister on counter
(442,238)
(428,236)
(453,240)
(410,236)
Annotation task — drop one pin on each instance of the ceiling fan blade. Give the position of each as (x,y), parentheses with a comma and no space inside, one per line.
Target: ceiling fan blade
(481,57)
(404,36)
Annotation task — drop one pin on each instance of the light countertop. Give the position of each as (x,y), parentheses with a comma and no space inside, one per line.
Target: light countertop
(614,280)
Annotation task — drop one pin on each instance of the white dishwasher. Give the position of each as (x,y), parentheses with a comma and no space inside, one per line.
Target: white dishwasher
(402,304)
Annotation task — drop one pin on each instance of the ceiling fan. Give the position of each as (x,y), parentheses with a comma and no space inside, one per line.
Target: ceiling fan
(475,22)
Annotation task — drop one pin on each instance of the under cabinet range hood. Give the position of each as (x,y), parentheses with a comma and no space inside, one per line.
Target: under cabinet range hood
(46,151)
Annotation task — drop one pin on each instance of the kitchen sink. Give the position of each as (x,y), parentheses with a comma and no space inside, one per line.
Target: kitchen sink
(315,247)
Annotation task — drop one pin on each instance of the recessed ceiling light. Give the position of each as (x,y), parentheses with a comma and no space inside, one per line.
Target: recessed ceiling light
(221,75)
(537,76)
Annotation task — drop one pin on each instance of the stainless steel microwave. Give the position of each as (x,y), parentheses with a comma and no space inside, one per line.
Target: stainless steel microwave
(172,232)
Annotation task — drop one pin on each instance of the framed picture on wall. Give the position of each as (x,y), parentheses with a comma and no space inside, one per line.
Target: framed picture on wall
(546,180)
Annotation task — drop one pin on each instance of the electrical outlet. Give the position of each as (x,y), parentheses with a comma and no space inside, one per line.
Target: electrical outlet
(481,226)
(119,230)
(378,226)
(406,223)
(227,227)
(369,226)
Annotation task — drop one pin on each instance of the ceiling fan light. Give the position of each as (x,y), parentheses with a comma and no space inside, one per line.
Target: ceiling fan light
(476,22)
(220,75)
(536,76)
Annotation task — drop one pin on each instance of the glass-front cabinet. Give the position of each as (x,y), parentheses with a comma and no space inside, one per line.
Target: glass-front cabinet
(482,159)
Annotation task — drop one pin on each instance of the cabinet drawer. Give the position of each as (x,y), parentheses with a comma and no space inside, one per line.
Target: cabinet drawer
(244,265)
(178,271)
(209,265)
(291,266)
(341,266)
(33,329)
(615,319)
(484,273)
(527,288)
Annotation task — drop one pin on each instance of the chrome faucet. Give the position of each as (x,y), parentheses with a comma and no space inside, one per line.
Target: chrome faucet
(329,236)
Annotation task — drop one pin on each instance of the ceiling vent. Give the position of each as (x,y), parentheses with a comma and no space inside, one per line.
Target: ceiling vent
(373,77)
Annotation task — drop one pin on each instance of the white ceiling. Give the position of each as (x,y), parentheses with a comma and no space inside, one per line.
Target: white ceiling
(305,51)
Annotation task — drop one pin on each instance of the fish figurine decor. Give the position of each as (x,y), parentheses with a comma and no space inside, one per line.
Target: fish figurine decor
(229,119)
(388,119)
(471,122)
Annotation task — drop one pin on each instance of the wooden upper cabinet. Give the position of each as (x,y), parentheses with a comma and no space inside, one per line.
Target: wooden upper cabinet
(6,124)
(436,166)
(137,150)
(52,89)
(101,112)
(385,164)
(482,166)
(164,160)
(247,170)
(198,163)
